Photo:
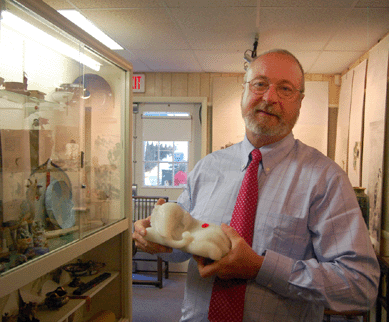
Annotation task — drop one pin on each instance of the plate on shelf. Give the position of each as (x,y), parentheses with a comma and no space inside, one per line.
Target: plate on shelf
(100,93)
(59,204)
(62,97)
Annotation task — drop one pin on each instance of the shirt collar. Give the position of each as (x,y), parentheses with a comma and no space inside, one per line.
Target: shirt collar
(271,154)
(247,147)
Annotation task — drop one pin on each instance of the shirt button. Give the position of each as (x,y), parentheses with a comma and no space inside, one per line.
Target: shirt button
(267,169)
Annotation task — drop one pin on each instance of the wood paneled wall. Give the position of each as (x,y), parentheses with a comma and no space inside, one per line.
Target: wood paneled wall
(181,84)
(200,85)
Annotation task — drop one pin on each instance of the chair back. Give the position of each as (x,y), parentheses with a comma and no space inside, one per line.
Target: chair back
(142,206)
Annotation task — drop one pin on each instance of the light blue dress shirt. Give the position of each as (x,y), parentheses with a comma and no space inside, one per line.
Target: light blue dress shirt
(308,223)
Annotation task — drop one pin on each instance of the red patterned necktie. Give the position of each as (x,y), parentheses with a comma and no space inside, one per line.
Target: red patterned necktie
(227,300)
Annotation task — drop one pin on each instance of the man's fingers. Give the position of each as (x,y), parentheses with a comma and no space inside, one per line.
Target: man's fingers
(157,248)
(210,270)
(206,266)
(141,225)
(160,201)
(150,247)
(229,231)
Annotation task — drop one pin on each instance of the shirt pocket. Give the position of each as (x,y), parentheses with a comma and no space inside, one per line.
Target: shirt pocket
(284,234)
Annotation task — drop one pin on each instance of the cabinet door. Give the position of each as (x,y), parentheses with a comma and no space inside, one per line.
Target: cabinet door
(61,106)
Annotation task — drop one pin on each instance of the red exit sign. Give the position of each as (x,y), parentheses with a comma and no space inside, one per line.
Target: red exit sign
(138,83)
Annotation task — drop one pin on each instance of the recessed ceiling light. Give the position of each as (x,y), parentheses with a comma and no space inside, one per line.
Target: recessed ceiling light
(78,19)
(31,32)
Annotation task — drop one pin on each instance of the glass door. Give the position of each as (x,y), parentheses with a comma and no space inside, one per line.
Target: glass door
(61,144)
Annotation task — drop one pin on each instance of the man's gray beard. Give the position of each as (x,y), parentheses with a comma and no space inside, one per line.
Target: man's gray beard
(282,129)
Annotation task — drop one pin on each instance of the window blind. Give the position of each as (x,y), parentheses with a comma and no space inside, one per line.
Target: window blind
(166,128)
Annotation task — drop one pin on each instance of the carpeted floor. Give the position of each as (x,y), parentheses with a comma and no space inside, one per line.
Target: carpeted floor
(151,304)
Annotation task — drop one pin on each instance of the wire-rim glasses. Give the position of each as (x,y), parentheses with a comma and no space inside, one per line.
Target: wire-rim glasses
(260,86)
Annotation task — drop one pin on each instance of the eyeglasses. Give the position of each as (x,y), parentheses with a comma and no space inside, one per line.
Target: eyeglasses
(260,86)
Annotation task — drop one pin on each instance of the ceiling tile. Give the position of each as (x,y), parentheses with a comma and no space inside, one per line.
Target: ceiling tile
(363,28)
(137,63)
(139,28)
(59,4)
(333,62)
(307,59)
(103,4)
(217,28)
(372,4)
(214,61)
(210,4)
(308,3)
(168,60)
(312,27)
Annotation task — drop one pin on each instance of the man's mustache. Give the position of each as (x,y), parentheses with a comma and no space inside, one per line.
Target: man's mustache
(267,108)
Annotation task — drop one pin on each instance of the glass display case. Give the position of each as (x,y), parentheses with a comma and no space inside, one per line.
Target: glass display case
(63,123)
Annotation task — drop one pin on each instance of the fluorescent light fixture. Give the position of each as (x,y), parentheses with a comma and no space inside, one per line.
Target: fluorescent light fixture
(78,19)
(34,33)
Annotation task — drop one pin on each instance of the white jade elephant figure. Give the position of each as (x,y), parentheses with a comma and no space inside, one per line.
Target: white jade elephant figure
(174,227)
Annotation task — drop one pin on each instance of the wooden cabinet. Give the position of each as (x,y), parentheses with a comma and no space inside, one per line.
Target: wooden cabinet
(65,152)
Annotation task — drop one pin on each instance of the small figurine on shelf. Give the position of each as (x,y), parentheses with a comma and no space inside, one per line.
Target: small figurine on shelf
(39,238)
(33,194)
(24,241)
(72,150)
(56,299)
(9,318)
(4,250)
(81,268)
(76,282)
(18,260)
(27,312)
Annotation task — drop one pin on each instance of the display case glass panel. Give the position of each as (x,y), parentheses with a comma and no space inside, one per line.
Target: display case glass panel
(60,138)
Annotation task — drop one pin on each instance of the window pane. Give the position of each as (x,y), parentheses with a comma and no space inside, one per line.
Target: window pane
(166,151)
(181,151)
(150,150)
(180,174)
(166,174)
(151,173)
(166,163)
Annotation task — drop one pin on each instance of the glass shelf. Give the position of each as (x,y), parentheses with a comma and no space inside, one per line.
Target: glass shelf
(27,101)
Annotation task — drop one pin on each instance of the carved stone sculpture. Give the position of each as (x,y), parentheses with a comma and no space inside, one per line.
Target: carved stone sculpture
(174,227)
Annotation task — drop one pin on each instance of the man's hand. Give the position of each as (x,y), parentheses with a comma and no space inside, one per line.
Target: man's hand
(139,233)
(241,262)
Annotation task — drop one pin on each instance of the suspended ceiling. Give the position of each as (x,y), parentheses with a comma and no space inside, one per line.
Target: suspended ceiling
(212,36)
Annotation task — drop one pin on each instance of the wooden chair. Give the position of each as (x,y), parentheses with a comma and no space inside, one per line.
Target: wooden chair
(142,208)
(348,314)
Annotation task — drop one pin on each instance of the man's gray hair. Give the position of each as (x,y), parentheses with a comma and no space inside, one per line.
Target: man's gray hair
(284,52)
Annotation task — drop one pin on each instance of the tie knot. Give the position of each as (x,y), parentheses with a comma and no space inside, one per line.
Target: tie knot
(256,155)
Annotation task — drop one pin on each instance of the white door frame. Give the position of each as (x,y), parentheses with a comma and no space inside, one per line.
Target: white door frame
(204,113)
